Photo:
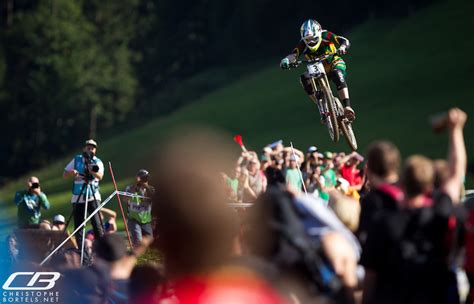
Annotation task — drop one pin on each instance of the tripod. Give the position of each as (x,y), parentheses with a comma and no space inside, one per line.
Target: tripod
(80,211)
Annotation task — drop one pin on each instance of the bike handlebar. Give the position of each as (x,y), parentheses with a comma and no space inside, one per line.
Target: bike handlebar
(313,60)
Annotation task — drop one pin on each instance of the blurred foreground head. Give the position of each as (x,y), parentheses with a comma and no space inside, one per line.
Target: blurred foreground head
(418,176)
(346,209)
(383,162)
(195,226)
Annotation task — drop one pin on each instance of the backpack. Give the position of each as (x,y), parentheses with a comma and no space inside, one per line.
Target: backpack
(293,250)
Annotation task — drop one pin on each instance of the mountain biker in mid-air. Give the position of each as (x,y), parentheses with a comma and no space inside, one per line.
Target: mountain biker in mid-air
(314,43)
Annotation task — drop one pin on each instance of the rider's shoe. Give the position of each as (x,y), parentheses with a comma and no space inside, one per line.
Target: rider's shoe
(349,113)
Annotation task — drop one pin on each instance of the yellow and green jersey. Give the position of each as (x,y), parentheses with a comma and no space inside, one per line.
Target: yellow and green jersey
(329,44)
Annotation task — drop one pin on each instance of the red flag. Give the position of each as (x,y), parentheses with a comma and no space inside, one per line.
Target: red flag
(238,140)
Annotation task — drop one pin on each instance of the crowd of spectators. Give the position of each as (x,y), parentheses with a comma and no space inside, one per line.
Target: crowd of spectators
(313,227)
(314,173)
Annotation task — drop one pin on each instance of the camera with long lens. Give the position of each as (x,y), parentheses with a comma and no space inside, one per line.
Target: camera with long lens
(88,156)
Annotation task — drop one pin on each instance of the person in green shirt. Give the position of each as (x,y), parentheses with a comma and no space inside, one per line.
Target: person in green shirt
(233,183)
(330,177)
(29,203)
(292,176)
(139,209)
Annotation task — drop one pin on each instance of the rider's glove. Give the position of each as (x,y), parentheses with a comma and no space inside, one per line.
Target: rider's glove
(342,50)
(285,63)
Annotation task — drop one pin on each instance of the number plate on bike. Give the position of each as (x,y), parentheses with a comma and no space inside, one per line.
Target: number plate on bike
(315,69)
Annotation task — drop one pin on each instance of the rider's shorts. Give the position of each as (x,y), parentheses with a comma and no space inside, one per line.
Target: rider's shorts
(337,63)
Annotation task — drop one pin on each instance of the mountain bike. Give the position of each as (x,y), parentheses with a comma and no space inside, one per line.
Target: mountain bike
(330,108)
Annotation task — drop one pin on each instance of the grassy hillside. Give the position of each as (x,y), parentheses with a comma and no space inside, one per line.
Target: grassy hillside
(400,72)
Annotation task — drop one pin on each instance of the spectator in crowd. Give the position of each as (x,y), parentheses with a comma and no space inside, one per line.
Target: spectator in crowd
(106,281)
(146,284)
(299,237)
(257,179)
(29,203)
(344,187)
(406,255)
(293,175)
(245,193)
(315,182)
(193,219)
(330,179)
(109,226)
(350,172)
(12,248)
(45,225)
(383,165)
(109,219)
(86,169)
(328,170)
(277,147)
(265,162)
(339,159)
(346,209)
(139,209)
(274,172)
(311,162)
(268,152)
(59,222)
(232,183)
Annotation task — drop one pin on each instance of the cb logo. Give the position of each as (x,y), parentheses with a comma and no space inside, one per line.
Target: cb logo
(36,277)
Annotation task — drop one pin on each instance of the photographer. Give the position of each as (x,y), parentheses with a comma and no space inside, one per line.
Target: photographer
(139,209)
(87,170)
(29,203)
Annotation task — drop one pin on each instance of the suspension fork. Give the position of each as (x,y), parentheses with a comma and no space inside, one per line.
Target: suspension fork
(319,101)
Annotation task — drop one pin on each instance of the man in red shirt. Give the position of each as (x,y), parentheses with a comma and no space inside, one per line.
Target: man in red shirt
(350,172)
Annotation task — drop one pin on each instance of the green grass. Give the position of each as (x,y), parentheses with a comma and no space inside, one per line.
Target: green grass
(400,72)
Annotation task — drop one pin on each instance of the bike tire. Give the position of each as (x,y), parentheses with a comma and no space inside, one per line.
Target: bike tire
(346,128)
(330,101)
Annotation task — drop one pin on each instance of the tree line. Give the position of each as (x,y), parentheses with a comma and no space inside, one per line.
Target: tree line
(71,69)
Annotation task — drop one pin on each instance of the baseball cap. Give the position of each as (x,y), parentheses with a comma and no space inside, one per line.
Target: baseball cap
(312,149)
(59,218)
(327,155)
(274,144)
(142,173)
(90,142)
(294,157)
(110,247)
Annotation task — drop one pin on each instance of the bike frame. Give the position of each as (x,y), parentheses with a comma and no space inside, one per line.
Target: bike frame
(329,107)
(317,73)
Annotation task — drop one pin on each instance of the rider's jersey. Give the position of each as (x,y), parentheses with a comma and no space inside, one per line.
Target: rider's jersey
(329,44)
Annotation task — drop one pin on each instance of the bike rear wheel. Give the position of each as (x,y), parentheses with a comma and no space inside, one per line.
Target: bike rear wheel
(329,100)
(346,128)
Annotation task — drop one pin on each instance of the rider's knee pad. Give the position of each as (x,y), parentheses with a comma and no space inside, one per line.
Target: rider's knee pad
(306,83)
(338,78)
